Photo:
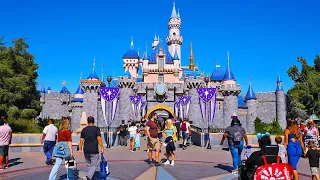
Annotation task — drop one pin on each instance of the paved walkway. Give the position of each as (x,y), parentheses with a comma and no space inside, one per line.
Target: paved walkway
(193,163)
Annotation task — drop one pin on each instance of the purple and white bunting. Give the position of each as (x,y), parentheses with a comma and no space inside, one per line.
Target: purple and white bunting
(184,102)
(136,104)
(143,107)
(110,96)
(176,108)
(207,97)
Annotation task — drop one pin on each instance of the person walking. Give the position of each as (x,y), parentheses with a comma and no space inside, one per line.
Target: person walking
(169,133)
(89,140)
(123,134)
(5,141)
(310,134)
(177,124)
(186,131)
(153,140)
(63,150)
(133,132)
(293,142)
(235,134)
(49,137)
(6,159)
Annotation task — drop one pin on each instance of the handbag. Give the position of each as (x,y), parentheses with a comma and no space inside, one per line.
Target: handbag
(71,163)
(104,168)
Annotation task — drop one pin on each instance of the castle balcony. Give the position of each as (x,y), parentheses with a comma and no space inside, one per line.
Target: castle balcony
(229,87)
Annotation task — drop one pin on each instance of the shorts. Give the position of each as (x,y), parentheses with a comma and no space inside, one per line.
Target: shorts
(132,136)
(4,150)
(154,143)
(314,171)
(185,135)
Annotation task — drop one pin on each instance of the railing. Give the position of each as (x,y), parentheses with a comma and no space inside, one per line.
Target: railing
(205,130)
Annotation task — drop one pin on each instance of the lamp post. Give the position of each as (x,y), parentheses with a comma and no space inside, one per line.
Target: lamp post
(109,79)
(206,79)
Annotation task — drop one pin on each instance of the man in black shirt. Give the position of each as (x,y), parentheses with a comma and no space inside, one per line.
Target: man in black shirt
(123,134)
(91,137)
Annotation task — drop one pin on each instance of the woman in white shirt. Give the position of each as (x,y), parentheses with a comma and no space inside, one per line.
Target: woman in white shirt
(133,131)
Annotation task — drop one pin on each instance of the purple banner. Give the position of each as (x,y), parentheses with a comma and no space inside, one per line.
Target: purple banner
(135,99)
(109,94)
(143,103)
(206,94)
(184,100)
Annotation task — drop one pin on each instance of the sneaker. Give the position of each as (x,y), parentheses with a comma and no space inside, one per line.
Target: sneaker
(1,168)
(131,150)
(167,162)
(172,163)
(151,164)
(235,173)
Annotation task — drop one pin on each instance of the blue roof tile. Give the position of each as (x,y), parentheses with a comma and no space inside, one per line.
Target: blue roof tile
(153,55)
(139,79)
(49,88)
(250,93)
(174,12)
(217,74)
(189,73)
(43,89)
(64,90)
(79,90)
(228,75)
(93,75)
(131,53)
(241,102)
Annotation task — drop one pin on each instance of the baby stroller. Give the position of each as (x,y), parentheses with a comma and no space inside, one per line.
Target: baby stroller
(272,168)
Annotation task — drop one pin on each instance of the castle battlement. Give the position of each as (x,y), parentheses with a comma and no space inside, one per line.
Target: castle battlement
(197,82)
(125,81)
(229,87)
(266,96)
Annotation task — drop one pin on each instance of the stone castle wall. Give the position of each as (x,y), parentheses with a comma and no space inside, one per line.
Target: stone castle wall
(266,106)
(55,105)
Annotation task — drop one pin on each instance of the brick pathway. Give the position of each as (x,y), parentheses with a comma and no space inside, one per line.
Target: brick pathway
(193,163)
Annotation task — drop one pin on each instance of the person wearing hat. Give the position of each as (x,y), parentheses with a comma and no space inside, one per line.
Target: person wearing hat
(235,134)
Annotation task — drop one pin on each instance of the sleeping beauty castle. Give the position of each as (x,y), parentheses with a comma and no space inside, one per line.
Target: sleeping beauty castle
(158,82)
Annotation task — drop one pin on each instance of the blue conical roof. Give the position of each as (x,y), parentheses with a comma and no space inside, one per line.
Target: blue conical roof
(114,83)
(93,75)
(250,93)
(153,56)
(228,75)
(127,73)
(279,84)
(131,53)
(174,11)
(64,90)
(49,87)
(78,96)
(43,89)
(241,102)
(176,57)
(217,74)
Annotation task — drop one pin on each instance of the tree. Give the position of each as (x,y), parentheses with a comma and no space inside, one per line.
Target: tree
(305,94)
(18,77)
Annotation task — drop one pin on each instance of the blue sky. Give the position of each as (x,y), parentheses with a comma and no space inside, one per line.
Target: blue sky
(263,37)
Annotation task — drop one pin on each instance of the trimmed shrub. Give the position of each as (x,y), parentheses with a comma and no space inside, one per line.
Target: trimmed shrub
(24,126)
(273,128)
(13,113)
(28,113)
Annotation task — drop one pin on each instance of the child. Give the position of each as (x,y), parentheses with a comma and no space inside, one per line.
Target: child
(313,156)
(282,150)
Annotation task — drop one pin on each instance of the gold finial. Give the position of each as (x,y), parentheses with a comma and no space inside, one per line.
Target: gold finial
(64,82)
(191,65)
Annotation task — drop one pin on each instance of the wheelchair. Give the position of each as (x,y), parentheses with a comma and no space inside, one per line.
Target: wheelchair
(271,154)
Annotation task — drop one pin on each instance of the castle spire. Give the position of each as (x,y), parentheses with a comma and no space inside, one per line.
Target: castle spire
(155,36)
(279,83)
(102,72)
(174,12)
(228,74)
(131,44)
(80,75)
(178,13)
(218,63)
(250,94)
(191,65)
(94,64)
(146,53)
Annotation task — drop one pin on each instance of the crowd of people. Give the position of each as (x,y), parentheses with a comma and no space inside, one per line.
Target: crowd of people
(299,141)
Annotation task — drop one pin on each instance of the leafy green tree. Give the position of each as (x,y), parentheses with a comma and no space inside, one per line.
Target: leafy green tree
(18,77)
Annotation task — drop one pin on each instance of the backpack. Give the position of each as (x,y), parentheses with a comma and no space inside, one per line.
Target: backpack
(273,171)
(104,169)
(237,136)
(184,126)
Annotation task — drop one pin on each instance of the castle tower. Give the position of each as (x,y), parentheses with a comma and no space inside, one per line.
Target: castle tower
(230,90)
(191,65)
(145,63)
(77,108)
(91,86)
(49,89)
(251,101)
(192,84)
(174,40)
(155,41)
(131,60)
(124,111)
(281,104)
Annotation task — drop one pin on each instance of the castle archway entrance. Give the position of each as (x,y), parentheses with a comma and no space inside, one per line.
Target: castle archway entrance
(161,110)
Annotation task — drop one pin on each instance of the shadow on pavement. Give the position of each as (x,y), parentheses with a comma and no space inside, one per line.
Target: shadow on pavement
(14,162)
(224,167)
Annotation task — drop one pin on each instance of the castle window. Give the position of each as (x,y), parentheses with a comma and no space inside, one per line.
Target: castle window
(161,63)
(219,105)
(161,78)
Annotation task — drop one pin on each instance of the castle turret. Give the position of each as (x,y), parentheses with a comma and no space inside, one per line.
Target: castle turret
(192,83)
(155,41)
(43,94)
(90,87)
(251,101)
(131,60)
(77,108)
(49,89)
(174,40)
(281,104)
(126,84)
(230,90)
